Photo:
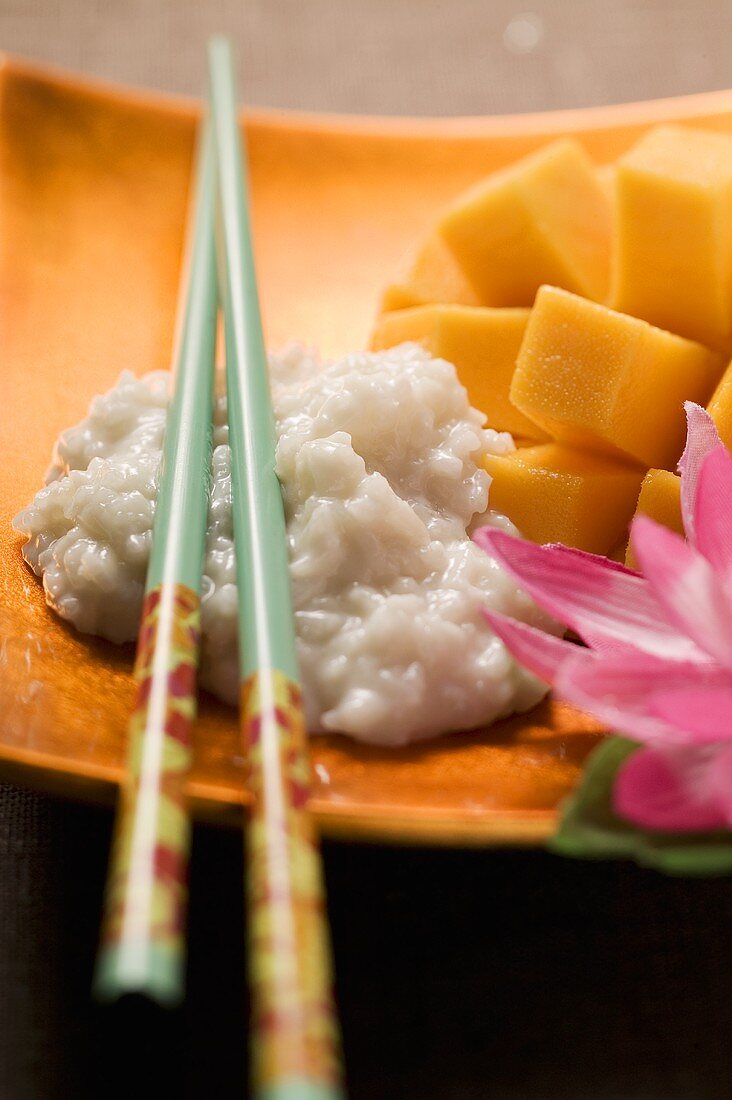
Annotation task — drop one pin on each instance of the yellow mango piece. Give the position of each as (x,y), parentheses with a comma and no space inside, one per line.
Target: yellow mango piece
(436,276)
(546,219)
(720,408)
(397,296)
(481,343)
(672,262)
(660,498)
(554,494)
(433,275)
(601,381)
(620,552)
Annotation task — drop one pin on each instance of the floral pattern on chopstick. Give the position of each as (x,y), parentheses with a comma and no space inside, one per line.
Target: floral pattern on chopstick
(178,620)
(294,1033)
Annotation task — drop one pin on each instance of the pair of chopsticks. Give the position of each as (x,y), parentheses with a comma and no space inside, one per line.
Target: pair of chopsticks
(295,1042)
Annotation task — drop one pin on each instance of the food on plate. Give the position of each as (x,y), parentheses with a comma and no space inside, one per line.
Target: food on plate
(386,467)
(660,499)
(555,494)
(660,494)
(608,383)
(481,342)
(720,408)
(433,275)
(673,250)
(398,296)
(545,219)
(381,462)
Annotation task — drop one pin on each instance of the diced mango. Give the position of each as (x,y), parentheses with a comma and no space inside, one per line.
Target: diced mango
(436,275)
(482,344)
(660,498)
(720,408)
(397,296)
(546,219)
(672,260)
(620,552)
(601,381)
(554,494)
(433,275)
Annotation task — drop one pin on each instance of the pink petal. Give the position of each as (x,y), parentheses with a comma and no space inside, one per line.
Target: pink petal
(657,790)
(541,653)
(701,438)
(691,594)
(704,712)
(713,511)
(613,610)
(617,690)
(719,781)
(606,564)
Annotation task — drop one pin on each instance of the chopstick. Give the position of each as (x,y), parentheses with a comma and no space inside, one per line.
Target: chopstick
(142,947)
(295,1039)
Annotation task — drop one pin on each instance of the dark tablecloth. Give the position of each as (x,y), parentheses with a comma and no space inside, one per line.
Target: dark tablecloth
(461,975)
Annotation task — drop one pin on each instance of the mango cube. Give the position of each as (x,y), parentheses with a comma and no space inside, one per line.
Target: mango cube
(660,498)
(546,219)
(433,275)
(554,494)
(720,408)
(481,343)
(673,252)
(608,383)
(397,296)
(620,552)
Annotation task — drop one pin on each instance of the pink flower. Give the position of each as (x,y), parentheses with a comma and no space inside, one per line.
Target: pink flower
(658,659)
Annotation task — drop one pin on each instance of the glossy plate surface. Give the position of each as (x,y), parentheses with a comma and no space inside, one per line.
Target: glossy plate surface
(92,205)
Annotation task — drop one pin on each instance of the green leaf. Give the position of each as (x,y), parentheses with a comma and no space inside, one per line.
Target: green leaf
(590,829)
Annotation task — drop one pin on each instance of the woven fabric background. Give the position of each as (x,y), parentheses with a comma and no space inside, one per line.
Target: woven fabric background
(461,975)
(393,56)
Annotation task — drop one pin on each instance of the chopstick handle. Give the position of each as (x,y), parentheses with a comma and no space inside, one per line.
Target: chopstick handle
(294,1031)
(142,948)
(295,1039)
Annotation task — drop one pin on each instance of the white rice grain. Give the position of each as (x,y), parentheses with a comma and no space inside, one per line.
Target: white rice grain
(379,457)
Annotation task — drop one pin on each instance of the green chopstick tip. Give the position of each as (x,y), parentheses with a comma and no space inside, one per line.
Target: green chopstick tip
(219,44)
(298,1088)
(262,567)
(148,970)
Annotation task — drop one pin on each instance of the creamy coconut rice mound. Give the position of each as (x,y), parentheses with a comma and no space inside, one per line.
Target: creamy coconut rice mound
(379,456)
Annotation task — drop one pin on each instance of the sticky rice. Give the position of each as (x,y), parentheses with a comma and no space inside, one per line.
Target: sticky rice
(379,456)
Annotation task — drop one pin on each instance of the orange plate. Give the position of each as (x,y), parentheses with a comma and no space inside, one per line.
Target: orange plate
(92,198)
